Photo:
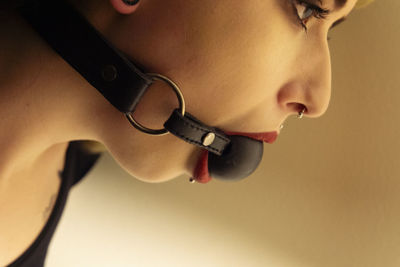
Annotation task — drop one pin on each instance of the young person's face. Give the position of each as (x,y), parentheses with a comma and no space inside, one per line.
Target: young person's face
(241,65)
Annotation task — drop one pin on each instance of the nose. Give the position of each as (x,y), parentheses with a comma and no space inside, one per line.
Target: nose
(309,85)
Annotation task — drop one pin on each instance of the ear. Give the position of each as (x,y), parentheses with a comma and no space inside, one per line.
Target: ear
(124,8)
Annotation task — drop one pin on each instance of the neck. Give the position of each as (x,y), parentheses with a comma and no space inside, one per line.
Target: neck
(43,101)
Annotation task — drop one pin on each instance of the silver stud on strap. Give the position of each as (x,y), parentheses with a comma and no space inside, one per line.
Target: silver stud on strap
(109,73)
(208,139)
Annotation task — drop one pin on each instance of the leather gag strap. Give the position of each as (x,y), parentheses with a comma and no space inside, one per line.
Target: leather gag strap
(195,132)
(107,69)
(88,52)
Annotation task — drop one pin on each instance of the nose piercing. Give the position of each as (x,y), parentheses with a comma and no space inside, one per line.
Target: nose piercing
(280,127)
(301,113)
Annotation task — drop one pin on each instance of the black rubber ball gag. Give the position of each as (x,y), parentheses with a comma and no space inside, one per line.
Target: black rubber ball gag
(238,161)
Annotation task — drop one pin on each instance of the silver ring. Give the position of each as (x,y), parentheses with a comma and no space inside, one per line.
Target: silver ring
(301,113)
(174,86)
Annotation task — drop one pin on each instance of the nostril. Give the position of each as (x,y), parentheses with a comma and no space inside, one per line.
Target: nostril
(302,109)
(301,113)
(298,108)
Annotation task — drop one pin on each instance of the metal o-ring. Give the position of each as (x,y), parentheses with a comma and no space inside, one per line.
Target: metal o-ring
(174,86)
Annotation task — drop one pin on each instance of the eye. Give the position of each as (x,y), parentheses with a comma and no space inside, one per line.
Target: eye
(305,10)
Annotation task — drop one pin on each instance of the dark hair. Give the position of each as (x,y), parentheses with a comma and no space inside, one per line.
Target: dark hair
(7,5)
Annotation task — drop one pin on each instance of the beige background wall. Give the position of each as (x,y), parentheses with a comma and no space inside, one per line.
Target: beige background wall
(327,194)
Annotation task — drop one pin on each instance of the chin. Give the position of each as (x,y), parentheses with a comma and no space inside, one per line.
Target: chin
(156,175)
(153,167)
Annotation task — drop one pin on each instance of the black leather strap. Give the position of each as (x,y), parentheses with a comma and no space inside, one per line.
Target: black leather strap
(106,68)
(194,131)
(88,52)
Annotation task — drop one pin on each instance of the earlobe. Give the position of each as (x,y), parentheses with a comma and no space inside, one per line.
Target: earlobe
(125,6)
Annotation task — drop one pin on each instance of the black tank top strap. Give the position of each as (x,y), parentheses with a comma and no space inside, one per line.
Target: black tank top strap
(76,165)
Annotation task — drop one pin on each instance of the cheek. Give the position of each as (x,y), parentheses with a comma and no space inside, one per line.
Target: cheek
(235,65)
(226,62)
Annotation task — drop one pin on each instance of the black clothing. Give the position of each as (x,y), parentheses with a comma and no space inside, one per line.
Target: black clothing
(77,163)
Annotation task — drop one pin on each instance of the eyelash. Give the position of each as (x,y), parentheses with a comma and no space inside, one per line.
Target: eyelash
(317,12)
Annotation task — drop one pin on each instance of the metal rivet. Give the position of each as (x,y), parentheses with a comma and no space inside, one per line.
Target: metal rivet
(208,139)
(109,73)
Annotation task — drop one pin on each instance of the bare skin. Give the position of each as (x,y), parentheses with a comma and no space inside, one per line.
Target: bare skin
(242,66)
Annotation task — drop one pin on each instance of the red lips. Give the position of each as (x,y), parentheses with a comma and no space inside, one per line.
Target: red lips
(201,174)
(268,137)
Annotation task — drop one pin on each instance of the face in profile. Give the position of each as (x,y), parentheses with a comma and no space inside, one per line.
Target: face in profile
(242,66)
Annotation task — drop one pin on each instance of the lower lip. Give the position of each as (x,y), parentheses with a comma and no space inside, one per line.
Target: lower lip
(201,174)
